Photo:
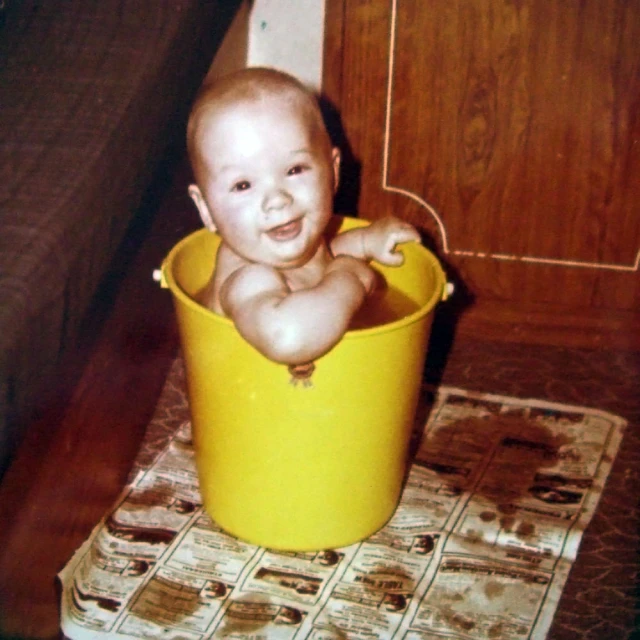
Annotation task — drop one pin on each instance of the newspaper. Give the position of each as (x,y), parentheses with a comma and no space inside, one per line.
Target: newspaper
(497,498)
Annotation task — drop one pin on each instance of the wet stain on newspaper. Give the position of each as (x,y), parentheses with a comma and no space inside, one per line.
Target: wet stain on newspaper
(525,447)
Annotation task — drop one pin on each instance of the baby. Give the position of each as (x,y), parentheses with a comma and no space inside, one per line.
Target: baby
(266,174)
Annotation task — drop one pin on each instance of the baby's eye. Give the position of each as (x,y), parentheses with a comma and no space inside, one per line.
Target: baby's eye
(242,185)
(297,169)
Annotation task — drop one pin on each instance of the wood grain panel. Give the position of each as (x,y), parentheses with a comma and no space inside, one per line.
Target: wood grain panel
(509,132)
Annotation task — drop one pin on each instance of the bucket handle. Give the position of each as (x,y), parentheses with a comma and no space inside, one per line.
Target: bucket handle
(160,277)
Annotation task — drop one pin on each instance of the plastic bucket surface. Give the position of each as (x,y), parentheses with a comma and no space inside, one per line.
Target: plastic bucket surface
(302,464)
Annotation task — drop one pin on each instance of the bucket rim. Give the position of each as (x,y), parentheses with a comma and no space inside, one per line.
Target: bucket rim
(438,294)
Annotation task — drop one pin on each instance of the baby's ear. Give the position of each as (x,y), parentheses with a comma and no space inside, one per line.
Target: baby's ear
(335,158)
(203,208)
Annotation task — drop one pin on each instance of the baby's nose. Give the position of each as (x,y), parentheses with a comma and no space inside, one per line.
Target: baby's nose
(276,198)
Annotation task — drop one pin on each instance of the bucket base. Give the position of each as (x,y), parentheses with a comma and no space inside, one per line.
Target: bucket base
(304,534)
(278,543)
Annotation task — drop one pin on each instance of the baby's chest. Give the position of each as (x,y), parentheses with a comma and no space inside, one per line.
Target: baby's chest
(304,277)
(298,283)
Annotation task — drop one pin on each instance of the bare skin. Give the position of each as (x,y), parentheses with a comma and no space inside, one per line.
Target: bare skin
(266,176)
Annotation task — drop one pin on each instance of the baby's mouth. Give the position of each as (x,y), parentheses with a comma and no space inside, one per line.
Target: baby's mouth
(287,231)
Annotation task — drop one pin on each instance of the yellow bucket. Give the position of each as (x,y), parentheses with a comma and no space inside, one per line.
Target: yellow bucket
(296,463)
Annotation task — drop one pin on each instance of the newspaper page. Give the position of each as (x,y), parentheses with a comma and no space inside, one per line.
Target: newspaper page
(480,546)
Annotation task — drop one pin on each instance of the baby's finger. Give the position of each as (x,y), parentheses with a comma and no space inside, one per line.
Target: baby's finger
(407,234)
(393,257)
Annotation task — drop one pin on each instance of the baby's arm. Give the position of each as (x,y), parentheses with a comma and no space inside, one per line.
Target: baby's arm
(295,327)
(376,241)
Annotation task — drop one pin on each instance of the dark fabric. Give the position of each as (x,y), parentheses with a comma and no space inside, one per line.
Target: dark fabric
(91,92)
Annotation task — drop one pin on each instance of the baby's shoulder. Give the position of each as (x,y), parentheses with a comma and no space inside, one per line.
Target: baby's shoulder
(230,267)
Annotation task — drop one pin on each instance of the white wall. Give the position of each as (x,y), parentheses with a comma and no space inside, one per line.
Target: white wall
(286,34)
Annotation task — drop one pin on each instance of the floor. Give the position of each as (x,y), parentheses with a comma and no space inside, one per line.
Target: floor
(80,447)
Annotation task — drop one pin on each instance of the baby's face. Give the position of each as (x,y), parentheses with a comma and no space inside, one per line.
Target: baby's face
(268,184)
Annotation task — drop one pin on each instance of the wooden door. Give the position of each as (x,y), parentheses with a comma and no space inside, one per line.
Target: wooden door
(509,131)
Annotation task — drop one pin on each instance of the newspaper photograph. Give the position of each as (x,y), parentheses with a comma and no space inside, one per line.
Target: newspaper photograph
(496,500)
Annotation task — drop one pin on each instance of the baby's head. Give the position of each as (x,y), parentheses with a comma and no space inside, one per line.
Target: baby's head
(264,165)
(269,88)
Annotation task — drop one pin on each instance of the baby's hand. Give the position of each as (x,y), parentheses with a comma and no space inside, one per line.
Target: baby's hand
(382,236)
(360,269)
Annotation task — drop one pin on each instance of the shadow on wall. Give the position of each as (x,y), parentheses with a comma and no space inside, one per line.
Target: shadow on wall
(348,194)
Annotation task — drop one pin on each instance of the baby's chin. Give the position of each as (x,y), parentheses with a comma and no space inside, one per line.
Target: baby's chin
(278,257)
(292,258)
